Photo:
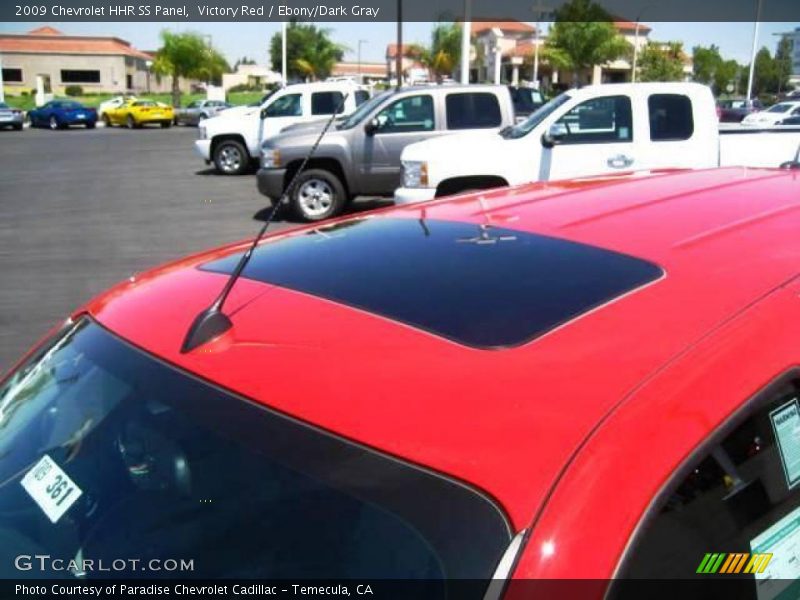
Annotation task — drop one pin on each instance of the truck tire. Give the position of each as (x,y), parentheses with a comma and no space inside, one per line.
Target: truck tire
(317,194)
(231,158)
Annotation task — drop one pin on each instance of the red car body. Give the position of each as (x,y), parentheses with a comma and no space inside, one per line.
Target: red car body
(575,433)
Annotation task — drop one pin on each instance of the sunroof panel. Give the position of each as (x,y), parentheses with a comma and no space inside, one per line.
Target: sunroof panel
(478,285)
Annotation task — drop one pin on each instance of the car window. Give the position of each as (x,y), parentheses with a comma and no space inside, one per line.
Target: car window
(736,502)
(3,105)
(361,97)
(157,464)
(779,108)
(326,103)
(144,103)
(540,114)
(409,114)
(472,110)
(670,117)
(599,120)
(286,106)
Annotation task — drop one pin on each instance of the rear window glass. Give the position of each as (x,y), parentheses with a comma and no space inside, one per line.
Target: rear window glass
(478,285)
(361,97)
(326,103)
(159,465)
(670,117)
(472,111)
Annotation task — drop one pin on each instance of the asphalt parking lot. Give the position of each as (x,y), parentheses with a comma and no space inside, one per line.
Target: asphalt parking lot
(81,210)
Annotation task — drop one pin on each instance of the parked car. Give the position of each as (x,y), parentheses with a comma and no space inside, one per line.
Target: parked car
(361,155)
(114,102)
(526,100)
(612,360)
(10,117)
(231,140)
(198,110)
(60,114)
(135,113)
(773,115)
(608,128)
(734,110)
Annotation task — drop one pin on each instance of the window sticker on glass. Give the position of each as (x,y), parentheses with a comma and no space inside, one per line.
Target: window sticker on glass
(51,488)
(778,548)
(786,424)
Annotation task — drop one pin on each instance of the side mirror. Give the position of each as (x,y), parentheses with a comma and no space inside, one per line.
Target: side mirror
(263,113)
(554,135)
(372,126)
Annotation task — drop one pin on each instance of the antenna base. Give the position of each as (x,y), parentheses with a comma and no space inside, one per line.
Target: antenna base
(209,324)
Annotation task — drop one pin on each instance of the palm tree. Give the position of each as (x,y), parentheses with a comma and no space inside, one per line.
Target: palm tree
(312,53)
(445,51)
(187,55)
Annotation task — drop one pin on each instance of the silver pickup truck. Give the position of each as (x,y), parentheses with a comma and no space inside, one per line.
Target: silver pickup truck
(360,154)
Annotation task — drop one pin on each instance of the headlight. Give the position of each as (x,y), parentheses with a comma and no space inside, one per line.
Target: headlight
(270,158)
(201,131)
(415,174)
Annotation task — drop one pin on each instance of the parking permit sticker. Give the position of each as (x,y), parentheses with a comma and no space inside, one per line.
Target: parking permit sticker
(786,425)
(51,488)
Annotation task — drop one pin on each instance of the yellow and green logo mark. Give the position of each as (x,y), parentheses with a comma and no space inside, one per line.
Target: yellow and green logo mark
(722,562)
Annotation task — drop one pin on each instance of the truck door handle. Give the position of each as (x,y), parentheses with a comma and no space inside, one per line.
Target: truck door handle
(620,161)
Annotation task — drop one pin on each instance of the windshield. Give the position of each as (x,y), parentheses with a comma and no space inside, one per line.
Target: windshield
(522,129)
(107,453)
(362,111)
(71,106)
(779,108)
(3,105)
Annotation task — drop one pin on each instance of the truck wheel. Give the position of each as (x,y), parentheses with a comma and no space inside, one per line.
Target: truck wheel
(231,158)
(317,195)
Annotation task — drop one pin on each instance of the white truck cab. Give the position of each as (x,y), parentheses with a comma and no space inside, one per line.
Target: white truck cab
(232,139)
(594,130)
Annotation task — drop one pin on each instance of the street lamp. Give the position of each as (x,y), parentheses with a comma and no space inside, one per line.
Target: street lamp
(636,42)
(359,58)
(753,53)
(540,11)
(149,65)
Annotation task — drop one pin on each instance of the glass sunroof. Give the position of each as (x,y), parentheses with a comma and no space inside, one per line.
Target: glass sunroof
(478,285)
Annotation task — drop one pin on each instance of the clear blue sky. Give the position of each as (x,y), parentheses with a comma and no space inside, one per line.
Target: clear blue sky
(251,39)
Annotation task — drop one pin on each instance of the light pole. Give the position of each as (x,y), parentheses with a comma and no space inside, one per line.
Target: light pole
(2,86)
(283,53)
(540,11)
(636,42)
(466,32)
(359,59)
(753,53)
(149,65)
(398,59)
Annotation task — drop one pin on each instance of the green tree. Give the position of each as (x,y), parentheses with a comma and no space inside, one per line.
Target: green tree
(661,62)
(187,55)
(444,52)
(783,63)
(311,54)
(710,68)
(583,36)
(705,61)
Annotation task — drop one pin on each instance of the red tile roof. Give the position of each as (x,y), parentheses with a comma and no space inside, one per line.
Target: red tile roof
(624,25)
(515,26)
(48,40)
(391,50)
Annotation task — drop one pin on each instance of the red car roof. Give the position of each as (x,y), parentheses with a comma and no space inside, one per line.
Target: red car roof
(505,420)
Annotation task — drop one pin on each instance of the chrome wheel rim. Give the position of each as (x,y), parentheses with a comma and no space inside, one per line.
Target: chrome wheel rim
(131,122)
(53,123)
(230,159)
(315,197)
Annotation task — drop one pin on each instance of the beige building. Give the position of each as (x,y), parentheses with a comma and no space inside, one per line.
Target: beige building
(95,63)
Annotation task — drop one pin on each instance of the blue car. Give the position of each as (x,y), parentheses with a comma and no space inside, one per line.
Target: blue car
(59,114)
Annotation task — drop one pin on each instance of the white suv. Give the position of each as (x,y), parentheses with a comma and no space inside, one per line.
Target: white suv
(232,139)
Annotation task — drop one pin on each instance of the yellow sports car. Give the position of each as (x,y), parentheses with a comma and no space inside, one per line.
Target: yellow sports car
(135,113)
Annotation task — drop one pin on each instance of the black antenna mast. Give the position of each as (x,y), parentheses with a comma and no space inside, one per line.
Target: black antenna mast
(212,322)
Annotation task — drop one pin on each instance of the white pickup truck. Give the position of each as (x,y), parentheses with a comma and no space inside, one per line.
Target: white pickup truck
(231,140)
(593,131)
